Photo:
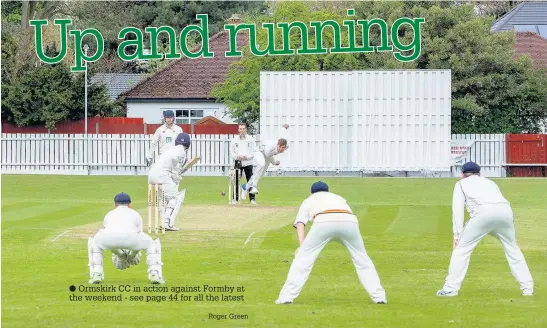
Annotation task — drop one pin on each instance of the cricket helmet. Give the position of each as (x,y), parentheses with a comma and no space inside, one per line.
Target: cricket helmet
(183,139)
(319,186)
(168,113)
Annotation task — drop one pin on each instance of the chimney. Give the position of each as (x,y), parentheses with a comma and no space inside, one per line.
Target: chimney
(235,19)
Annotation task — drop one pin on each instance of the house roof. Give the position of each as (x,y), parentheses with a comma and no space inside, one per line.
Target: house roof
(187,78)
(533,45)
(526,13)
(118,82)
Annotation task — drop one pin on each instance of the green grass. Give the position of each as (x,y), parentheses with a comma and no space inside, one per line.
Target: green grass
(406,225)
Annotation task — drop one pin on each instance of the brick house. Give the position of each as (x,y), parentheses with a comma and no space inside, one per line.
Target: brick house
(184,86)
(529,21)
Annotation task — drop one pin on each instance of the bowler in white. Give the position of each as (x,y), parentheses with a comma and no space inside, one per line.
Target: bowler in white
(489,213)
(264,156)
(333,220)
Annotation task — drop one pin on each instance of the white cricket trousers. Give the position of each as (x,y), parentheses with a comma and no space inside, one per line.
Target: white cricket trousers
(117,238)
(496,220)
(320,234)
(114,239)
(261,166)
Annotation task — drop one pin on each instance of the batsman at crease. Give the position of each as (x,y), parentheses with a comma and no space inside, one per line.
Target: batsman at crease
(168,171)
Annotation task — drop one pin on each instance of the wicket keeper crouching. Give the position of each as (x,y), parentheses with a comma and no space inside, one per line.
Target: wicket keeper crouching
(123,235)
(333,220)
(168,171)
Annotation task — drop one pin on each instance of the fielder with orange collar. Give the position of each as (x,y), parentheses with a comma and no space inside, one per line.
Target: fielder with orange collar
(489,213)
(333,220)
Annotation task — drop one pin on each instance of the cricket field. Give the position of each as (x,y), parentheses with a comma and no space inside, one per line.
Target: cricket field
(226,265)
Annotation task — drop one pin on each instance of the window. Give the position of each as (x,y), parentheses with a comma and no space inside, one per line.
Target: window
(196,113)
(543,30)
(189,115)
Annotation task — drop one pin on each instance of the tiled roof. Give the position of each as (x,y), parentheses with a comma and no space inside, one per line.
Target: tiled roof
(526,13)
(187,78)
(118,82)
(531,44)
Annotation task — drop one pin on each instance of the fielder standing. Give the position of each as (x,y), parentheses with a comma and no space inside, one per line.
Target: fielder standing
(122,234)
(242,148)
(490,213)
(168,171)
(164,137)
(333,220)
(264,156)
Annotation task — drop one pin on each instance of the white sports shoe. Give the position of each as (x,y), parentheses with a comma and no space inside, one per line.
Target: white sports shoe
(283,302)
(253,191)
(243,193)
(96,279)
(173,228)
(156,279)
(253,202)
(527,292)
(445,293)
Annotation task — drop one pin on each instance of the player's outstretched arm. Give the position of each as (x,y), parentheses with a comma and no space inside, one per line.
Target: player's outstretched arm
(252,149)
(458,208)
(300,222)
(153,145)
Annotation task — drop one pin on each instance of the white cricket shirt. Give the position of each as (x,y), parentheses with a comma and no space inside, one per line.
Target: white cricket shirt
(243,147)
(172,161)
(269,147)
(471,193)
(321,202)
(123,218)
(164,138)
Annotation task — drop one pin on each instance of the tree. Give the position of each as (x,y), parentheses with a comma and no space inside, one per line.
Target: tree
(491,91)
(48,94)
(494,8)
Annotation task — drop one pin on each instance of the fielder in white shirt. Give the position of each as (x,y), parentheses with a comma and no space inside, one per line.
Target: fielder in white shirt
(168,171)
(489,213)
(333,220)
(242,149)
(123,235)
(264,157)
(164,137)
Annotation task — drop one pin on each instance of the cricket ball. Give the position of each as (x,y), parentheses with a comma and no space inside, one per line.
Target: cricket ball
(223,193)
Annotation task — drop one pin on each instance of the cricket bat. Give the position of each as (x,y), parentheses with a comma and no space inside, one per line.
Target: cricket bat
(190,163)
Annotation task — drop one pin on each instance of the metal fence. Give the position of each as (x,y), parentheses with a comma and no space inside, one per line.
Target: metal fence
(115,154)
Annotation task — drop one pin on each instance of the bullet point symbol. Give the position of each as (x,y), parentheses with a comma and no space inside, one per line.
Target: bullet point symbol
(72,288)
